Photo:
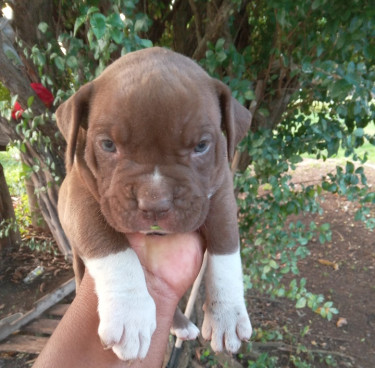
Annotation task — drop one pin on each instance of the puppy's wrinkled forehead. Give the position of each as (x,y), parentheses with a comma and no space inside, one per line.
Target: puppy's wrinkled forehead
(154,97)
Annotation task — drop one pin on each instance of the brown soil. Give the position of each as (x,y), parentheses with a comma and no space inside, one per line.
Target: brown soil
(343,270)
(16,296)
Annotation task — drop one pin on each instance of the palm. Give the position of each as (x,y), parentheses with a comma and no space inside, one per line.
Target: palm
(171,262)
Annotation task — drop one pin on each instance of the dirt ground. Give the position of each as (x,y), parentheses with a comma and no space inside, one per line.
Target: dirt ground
(343,270)
(16,296)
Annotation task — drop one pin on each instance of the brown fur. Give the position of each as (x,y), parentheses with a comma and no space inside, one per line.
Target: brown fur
(156,106)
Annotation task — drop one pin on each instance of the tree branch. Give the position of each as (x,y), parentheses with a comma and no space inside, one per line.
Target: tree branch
(214,28)
(197,20)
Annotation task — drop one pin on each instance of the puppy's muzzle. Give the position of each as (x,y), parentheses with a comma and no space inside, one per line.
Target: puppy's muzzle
(155,202)
(154,209)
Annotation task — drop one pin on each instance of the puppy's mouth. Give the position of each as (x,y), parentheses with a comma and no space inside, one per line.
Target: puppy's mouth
(155,230)
(156,233)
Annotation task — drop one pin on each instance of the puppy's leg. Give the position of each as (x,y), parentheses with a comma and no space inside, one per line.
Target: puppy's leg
(78,267)
(182,327)
(126,310)
(226,321)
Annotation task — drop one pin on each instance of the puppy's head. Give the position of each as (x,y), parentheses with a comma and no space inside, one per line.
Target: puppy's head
(151,138)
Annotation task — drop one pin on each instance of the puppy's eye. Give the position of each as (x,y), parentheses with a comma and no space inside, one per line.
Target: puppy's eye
(202,146)
(108,145)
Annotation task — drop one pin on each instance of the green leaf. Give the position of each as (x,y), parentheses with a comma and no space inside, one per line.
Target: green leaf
(78,23)
(350,167)
(301,303)
(115,21)
(98,25)
(43,27)
(359,132)
(249,95)
(295,159)
(129,4)
(219,44)
(340,89)
(30,101)
(145,43)
(266,269)
(59,62)
(273,264)
(141,25)
(117,35)
(13,100)
(221,56)
(72,62)
(92,10)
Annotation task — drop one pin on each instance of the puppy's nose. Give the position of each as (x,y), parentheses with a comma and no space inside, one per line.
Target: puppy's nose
(154,208)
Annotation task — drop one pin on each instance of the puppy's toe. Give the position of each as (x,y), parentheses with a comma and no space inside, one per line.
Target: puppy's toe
(207,329)
(134,346)
(244,329)
(110,333)
(128,327)
(232,342)
(183,328)
(226,327)
(190,332)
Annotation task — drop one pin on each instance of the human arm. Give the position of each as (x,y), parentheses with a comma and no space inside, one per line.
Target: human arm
(170,263)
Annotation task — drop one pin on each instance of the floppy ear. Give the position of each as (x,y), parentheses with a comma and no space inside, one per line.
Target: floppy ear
(71,116)
(236,119)
(72,120)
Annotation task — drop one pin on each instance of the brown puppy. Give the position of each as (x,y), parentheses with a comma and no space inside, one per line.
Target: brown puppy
(148,148)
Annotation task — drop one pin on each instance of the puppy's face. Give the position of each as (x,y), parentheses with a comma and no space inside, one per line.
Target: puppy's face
(151,138)
(154,150)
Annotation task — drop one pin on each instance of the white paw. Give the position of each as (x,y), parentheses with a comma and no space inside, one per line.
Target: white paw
(127,324)
(226,325)
(127,312)
(188,332)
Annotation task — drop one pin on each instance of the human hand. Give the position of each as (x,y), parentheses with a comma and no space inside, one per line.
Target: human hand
(170,263)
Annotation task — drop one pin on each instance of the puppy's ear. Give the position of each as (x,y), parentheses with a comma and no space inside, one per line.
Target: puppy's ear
(236,119)
(70,116)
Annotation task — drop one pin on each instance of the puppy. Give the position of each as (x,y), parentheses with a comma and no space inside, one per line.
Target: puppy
(148,144)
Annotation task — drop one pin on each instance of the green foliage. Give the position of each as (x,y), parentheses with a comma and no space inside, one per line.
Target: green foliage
(42,246)
(15,174)
(6,227)
(208,358)
(82,52)
(264,360)
(4,93)
(14,171)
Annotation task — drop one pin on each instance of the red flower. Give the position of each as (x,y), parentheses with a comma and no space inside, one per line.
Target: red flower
(42,92)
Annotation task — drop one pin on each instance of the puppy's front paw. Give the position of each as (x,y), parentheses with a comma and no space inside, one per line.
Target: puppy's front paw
(127,312)
(127,324)
(226,325)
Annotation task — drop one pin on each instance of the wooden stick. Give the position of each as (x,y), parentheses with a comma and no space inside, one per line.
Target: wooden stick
(193,295)
(41,306)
